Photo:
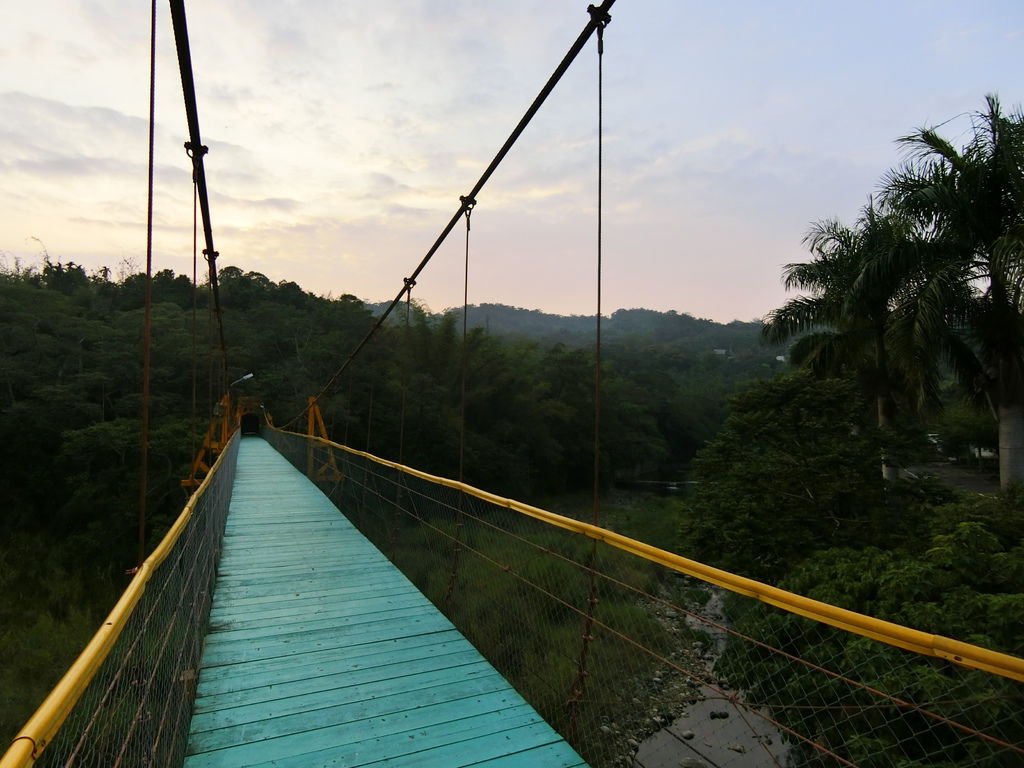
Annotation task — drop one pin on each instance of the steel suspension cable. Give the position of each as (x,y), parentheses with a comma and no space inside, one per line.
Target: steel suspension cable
(195,330)
(457,550)
(196,150)
(348,410)
(211,398)
(469,205)
(369,417)
(579,687)
(406,376)
(563,66)
(407,372)
(596,514)
(147,323)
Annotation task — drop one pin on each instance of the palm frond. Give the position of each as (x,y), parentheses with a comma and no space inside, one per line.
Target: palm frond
(796,316)
(926,144)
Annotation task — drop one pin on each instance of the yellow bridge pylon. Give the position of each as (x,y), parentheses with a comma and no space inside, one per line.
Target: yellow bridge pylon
(227,416)
(328,470)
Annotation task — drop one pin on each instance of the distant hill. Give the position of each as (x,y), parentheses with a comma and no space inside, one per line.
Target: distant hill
(681,330)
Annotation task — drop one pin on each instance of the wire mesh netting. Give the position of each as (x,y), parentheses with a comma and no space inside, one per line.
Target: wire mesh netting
(136,709)
(636,664)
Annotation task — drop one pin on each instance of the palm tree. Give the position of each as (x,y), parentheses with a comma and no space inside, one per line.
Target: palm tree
(842,325)
(965,300)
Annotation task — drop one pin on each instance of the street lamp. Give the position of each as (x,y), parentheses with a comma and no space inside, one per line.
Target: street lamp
(244,378)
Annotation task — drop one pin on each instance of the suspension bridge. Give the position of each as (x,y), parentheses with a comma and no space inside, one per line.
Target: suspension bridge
(318,605)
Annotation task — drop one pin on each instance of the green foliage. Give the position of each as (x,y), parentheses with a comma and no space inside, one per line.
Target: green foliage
(966,581)
(529,405)
(840,326)
(69,443)
(50,610)
(793,469)
(963,429)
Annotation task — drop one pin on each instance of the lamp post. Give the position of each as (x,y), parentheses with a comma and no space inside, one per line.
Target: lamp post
(229,415)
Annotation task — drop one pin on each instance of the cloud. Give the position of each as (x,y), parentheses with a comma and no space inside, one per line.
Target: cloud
(34,119)
(248,204)
(341,135)
(68,155)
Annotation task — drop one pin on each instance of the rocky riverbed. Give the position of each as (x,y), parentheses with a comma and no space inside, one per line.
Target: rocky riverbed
(712,732)
(701,727)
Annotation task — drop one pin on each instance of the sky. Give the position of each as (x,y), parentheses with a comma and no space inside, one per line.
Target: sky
(342,133)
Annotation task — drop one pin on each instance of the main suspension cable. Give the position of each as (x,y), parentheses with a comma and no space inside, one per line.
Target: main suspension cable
(196,151)
(596,13)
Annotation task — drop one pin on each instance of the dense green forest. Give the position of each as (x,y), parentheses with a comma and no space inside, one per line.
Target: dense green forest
(70,378)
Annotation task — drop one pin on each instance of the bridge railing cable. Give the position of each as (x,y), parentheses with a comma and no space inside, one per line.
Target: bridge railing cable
(725,668)
(127,699)
(598,16)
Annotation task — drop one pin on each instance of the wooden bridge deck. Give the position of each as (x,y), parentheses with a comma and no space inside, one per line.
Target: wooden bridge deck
(321,653)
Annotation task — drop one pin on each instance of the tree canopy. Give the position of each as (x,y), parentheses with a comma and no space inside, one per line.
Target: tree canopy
(928,280)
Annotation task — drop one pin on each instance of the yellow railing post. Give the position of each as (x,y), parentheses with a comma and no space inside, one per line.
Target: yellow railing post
(311,410)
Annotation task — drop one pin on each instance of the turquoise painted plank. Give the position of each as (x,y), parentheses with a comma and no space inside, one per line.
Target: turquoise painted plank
(301,588)
(337,548)
(338,559)
(229,646)
(321,653)
(449,721)
(327,562)
(233,676)
(419,621)
(339,555)
(548,756)
(350,587)
(286,585)
(298,610)
(306,602)
(323,707)
(369,741)
(335,682)
(369,749)
(369,608)
(481,749)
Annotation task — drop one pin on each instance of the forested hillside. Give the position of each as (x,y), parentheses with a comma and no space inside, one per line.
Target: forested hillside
(679,330)
(70,378)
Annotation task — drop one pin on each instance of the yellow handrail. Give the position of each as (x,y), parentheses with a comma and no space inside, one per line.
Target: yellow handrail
(897,635)
(40,729)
